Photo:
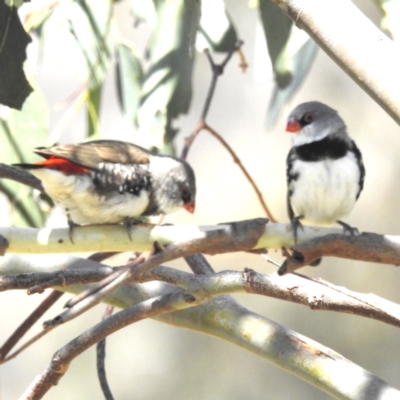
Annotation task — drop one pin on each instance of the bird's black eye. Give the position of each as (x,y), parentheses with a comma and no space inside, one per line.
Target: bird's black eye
(185,195)
(307,119)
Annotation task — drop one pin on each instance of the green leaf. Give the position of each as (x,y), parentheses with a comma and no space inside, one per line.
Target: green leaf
(391,17)
(14,3)
(167,87)
(302,60)
(93,109)
(277,29)
(129,80)
(292,53)
(20,132)
(37,17)
(144,11)
(90,24)
(216,29)
(14,87)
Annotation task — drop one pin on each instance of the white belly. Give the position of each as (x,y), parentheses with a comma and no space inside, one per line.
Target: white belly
(325,190)
(77,199)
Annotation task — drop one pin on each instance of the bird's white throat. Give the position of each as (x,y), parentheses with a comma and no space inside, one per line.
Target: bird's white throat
(307,135)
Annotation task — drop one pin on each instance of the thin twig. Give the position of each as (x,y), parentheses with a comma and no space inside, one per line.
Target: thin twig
(101,357)
(103,283)
(27,324)
(31,341)
(217,70)
(37,282)
(20,176)
(243,63)
(166,303)
(243,169)
(199,264)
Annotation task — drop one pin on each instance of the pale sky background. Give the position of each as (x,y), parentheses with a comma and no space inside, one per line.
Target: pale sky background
(150,360)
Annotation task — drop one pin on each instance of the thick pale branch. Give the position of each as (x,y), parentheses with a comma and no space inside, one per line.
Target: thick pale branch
(185,240)
(316,294)
(231,321)
(63,357)
(235,236)
(355,44)
(365,247)
(223,317)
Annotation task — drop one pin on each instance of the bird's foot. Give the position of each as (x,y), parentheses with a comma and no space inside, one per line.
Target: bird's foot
(129,222)
(316,262)
(71,226)
(348,229)
(296,224)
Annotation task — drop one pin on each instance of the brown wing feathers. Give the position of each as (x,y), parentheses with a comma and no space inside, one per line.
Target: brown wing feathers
(91,154)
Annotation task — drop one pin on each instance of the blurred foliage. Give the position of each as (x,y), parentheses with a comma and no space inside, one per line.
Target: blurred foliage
(14,88)
(20,131)
(154,88)
(390,21)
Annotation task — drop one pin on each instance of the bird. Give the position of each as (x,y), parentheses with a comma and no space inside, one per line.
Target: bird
(111,181)
(325,171)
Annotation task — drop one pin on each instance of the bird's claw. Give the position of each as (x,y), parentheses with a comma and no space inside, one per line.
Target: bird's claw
(129,222)
(348,229)
(296,224)
(71,226)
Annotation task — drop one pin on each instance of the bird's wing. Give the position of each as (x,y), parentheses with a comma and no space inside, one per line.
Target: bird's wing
(360,163)
(91,154)
(289,178)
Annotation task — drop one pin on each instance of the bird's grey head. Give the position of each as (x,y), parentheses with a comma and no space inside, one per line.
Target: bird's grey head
(174,184)
(314,121)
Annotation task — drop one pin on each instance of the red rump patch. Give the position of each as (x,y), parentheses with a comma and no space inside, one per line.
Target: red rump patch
(63,165)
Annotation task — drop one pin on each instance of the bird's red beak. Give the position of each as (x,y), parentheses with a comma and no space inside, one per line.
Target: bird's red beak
(190,206)
(293,126)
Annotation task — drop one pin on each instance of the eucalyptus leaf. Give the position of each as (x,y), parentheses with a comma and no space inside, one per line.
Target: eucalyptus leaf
(391,17)
(14,3)
(20,132)
(167,87)
(144,11)
(93,109)
(292,53)
(302,61)
(37,17)
(14,87)
(216,28)
(277,29)
(129,80)
(90,24)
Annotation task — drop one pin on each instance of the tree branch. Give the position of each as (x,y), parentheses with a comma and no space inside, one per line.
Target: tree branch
(101,357)
(18,175)
(229,320)
(184,240)
(28,323)
(365,247)
(316,294)
(365,53)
